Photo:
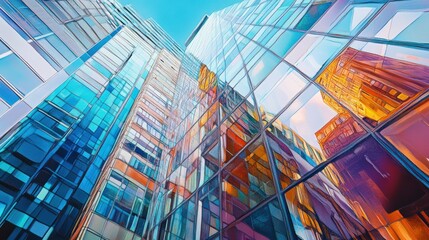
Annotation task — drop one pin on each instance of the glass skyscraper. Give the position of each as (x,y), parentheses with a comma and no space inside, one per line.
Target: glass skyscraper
(281,120)
(126,185)
(63,117)
(307,122)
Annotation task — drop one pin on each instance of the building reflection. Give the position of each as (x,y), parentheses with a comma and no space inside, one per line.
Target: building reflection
(373,86)
(339,132)
(354,197)
(294,140)
(365,203)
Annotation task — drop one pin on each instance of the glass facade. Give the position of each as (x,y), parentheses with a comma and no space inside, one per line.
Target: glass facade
(283,119)
(38,40)
(119,207)
(51,160)
(89,134)
(307,121)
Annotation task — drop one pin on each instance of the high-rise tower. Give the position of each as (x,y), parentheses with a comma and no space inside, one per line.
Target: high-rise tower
(302,125)
(79,82)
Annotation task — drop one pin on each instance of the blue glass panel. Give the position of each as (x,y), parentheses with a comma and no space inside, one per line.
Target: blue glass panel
(39,229)
(101,69)
(18,74)
(263,67)
(7,94)
(285,42)
(313,14)
(19,218)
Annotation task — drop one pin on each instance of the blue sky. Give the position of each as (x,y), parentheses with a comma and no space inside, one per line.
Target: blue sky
(178,17)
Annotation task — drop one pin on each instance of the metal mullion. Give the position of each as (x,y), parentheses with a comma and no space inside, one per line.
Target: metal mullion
(291,235)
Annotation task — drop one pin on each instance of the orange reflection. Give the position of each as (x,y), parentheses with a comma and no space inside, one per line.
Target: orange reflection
(338,133)
(246,181)
(373,86)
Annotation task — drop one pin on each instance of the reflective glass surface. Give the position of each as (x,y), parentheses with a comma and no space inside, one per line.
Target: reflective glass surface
(409,135)
(357,197)
(16,72)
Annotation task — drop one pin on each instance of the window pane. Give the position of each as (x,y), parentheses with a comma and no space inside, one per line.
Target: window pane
(209,206)
(314,128)
(314,52)
(375,80)
(3,49)
(265,223)
(410,135)
(7,94)
(278,89)
(263,67)
(18,74)
(366,194)
(401,21)
(285,42)
(246,181)
(313,14)
(238,129)
(355,17)
(3,109)
(209,164)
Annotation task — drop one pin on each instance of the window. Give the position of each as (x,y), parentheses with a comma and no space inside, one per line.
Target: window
(16,72)
(7,94)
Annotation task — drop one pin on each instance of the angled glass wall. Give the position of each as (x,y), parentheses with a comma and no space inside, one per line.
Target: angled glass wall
(118,208)
(306,121)
(52,158)
(38,40)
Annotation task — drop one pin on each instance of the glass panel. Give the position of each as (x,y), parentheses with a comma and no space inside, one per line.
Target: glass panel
(401,21)
(410,135)
(209,164)
(366,194)
(246,181)
(209,206)
(238,129)
(18,74)
(285,42)
(12,24)
(7,94)
(240,84)
(278,89)
(315,127)
(286,160)
(39,229)
(190,173)
(232,97)
(54,51)
(181,224)
(3,109)
(3,49)
(263,67)
(375,80)
(25,18)
(314,52)
(355,17)
(313,14)
(265,223)
(61,47)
